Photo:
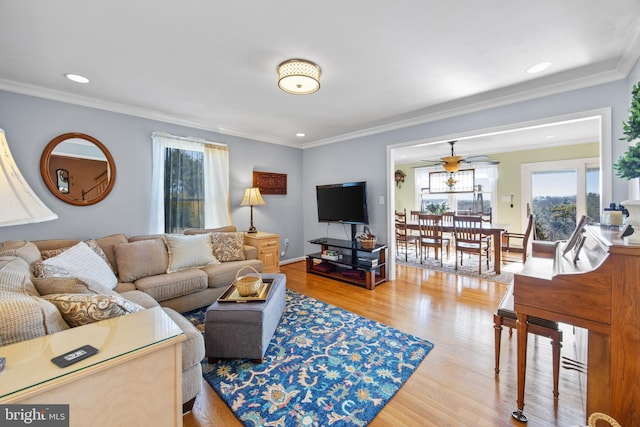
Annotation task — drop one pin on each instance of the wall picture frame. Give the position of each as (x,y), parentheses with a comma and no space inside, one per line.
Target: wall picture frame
(270,183)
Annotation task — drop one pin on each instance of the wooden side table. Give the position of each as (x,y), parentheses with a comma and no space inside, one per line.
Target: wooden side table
(268,245)
(139,354)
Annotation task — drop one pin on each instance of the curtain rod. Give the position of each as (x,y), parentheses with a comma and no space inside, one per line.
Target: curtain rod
(187,138)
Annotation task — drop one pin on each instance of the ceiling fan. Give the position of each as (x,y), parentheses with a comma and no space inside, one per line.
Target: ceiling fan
(453,163)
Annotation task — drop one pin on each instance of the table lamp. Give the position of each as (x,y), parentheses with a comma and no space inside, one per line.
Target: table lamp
(252,197)
(20,205)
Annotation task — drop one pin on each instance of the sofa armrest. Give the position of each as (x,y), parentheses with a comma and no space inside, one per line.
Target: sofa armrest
(250,252)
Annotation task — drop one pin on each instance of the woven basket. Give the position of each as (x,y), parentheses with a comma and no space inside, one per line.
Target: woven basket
(368,243)
(248,285)
(599,416)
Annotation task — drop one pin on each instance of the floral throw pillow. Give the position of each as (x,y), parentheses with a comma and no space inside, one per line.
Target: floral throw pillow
(228,246)
(82,309)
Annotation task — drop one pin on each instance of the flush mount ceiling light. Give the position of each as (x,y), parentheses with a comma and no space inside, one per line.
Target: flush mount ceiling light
(538,67)
(77,78)
(299,76)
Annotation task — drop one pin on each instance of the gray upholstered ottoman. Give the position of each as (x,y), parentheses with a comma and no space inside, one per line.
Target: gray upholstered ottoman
(244,330)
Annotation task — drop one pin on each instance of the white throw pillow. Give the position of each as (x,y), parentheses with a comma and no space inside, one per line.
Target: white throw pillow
(189,251)
(85,264)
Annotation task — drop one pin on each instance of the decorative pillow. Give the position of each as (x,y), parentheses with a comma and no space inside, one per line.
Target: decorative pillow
(43,270)
(20,248)
(141,259)
(188,251)
(93,245)
(15,276)
(228,246)
(82,309)
(50,253)
(85,264)
(68,285)
(25,317)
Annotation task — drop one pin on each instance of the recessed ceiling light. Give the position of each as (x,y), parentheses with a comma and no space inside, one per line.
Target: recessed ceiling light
(76,78)
(550,136)
(300,134)
(538,67)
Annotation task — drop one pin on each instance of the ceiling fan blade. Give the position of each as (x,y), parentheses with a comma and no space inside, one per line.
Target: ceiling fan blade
(474,158)
(435,162)
(483,162)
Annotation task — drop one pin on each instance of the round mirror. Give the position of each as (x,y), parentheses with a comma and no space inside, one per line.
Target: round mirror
(78,169)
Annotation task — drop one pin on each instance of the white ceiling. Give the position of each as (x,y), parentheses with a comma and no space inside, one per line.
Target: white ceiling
(385,65)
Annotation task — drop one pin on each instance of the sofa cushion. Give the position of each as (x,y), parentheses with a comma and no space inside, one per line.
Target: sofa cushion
(141,259)
(25,317)
(228,246)
(107,244)
(68,285)
(82,309)
(226,228)
(171,285)
(141,298)
(188,251)
(85,264)
(193,347)
(20,248)
(15,276)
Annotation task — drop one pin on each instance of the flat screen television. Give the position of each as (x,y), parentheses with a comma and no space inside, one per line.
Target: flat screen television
(346,203)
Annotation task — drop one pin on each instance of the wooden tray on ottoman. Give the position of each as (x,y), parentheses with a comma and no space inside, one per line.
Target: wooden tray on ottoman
(232,295)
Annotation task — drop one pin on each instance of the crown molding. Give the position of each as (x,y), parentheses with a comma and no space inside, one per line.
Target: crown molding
(55,95)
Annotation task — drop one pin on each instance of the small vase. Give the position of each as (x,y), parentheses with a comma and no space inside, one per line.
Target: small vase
(633,206)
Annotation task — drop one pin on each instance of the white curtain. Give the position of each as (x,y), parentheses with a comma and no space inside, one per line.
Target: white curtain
(217,209)
(216,179)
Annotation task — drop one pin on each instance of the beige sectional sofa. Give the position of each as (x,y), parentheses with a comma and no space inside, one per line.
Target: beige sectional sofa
(40,289)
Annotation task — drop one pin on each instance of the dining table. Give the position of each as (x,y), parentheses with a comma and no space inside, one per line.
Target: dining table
(489,228)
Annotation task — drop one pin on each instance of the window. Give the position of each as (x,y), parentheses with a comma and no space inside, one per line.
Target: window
(190,187)
(559,192)
(485,177)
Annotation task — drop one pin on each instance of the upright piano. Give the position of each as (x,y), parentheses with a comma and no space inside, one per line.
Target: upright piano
(600,292)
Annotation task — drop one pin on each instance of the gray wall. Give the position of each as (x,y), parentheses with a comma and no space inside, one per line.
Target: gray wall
(30,123)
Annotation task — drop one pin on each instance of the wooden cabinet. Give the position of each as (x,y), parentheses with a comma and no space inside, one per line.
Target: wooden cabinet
(138,354)
(268,245)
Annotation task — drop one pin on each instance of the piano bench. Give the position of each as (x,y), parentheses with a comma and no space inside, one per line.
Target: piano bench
(506,316)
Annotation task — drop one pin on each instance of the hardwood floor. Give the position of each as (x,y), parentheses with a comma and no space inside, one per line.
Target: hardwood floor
(455,385)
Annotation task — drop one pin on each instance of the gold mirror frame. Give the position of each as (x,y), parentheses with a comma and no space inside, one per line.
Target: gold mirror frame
(76,195)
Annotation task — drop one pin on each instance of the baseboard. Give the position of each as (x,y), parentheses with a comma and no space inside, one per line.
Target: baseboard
(292,260)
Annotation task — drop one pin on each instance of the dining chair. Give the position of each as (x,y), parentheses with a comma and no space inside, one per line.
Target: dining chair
(487,218)
(413,215)
(403,238)
(447,223)
(468,237)
(518,242)
(430,227)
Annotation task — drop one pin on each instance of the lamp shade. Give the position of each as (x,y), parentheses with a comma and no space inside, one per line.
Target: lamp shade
(252,197)
(18,203)
(299,77)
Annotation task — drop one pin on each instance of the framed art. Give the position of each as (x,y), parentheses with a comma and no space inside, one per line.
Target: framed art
(270,183)
(462,181)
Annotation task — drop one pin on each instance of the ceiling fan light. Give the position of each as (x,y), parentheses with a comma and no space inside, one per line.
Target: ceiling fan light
(451,167)
(299,76)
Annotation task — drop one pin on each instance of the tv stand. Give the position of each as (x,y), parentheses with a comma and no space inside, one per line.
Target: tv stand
(349,267)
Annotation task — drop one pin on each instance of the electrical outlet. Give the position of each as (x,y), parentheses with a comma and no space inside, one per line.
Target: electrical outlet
(286,242)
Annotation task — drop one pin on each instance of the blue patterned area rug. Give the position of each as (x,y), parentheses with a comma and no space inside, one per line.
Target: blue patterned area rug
(324,367)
